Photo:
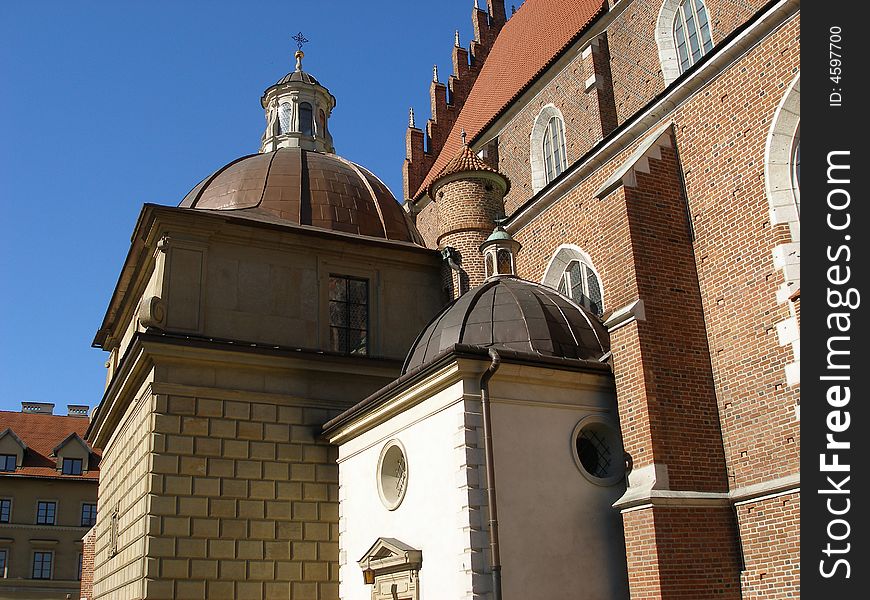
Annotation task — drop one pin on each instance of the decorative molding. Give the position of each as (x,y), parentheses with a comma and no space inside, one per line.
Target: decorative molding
(625,315)
(638,161)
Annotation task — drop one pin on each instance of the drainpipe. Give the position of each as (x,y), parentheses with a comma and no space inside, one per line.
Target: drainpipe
(490,473)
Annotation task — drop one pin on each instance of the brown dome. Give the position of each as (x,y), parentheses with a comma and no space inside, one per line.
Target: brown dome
(301,187)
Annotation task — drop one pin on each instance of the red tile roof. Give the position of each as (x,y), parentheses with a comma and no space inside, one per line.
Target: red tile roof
(531,39)
(41,433)
(465,161)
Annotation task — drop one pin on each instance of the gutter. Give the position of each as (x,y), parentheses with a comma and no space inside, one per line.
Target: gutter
(489,464)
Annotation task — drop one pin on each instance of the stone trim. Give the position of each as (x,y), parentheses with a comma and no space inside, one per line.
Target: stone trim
(629,313)
(784,198)
(638,161)
(766,489)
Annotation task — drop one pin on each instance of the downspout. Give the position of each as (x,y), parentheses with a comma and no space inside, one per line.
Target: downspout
(490,473)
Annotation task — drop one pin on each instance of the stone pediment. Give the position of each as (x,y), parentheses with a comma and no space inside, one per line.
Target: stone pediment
(389,555)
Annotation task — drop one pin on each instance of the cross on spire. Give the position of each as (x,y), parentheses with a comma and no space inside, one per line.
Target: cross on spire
(300,40)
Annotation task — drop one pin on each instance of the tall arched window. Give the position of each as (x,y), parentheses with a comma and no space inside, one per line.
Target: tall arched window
(570,271)
(554,149)
(285,112)
(683,36)
(305,116)
(549,156)
(691,33)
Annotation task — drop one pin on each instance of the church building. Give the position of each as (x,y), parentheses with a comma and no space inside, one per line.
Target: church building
(567,364)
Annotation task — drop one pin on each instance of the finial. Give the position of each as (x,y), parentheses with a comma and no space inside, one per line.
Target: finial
(513,9)
(462,133)
(435,73)
(411,117)
(300,41)
(456,38)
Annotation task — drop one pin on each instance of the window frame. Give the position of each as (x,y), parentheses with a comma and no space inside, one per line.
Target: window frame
(4,563)
(50,554)
(555,159)
(8,503)
(93,512)
(53,503)
(367,345)
(585,299)
(683,20)
(4,463)
(72,461)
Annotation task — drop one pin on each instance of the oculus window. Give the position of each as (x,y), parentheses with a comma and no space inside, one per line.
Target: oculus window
(598,452)
(392,474)
(348,314)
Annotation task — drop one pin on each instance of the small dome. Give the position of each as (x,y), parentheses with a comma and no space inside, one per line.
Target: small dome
(301,187)
(514,314)
(298,76)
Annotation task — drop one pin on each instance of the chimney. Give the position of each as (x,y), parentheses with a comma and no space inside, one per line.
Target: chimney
(39,408)
(77,410)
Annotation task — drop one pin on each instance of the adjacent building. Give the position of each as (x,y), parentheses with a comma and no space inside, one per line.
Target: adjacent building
(48,500)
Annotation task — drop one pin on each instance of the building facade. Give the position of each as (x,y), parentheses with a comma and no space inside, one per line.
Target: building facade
(622,353)
(48,500)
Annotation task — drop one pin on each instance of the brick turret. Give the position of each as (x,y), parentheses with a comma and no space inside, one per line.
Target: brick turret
(446,100)
(469,196)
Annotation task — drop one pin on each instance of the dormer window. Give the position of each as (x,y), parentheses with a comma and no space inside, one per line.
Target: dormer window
(72,466)
(7,462)
(305,119)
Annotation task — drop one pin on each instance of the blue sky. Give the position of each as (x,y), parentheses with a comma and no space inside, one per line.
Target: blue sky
(107,105)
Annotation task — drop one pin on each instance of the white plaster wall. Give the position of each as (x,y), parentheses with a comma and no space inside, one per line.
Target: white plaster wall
(559,535)
(428,518)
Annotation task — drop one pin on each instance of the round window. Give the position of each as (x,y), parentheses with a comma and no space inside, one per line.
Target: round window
(392,474)
(597,450)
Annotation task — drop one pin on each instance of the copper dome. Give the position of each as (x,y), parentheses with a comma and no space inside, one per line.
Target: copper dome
(506,312)
(301,187)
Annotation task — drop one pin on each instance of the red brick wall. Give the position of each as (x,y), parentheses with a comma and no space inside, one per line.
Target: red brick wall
(87,585)
(770,532)
(682,553)
(466,211)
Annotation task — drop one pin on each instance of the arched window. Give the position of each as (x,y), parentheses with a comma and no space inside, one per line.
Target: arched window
(285,112)
(570,271)
(549,157)
(554,149)
(580,283)
(683,36)
(692,33)
(305,116)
